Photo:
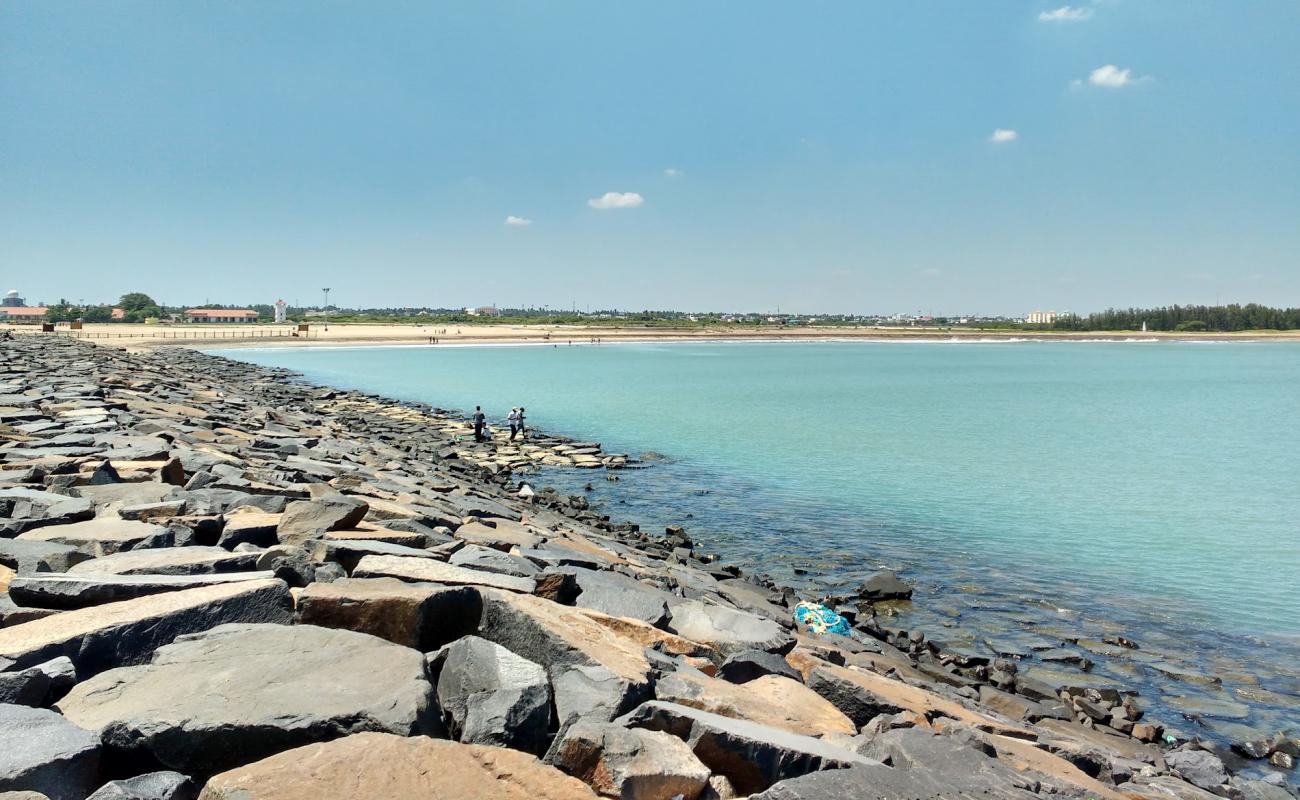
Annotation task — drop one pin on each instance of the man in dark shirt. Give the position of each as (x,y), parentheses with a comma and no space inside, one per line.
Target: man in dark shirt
(479,420)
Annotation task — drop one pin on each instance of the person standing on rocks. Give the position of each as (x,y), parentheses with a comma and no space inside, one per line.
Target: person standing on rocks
(523,432)
(479,419)
(512,419)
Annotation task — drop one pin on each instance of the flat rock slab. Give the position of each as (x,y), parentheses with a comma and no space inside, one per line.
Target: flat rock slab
(68,591)
(168,561)
(771,700)
(163,785)
(501,534)
(124,633)
(751,756)
(425,569)
(222,698)
(98,537)
(306,519)
(32,556)
(728,629)
(41,751)
(349,552)
(34,508)
(877,782)
(376,766)
(422,616)
(621,596)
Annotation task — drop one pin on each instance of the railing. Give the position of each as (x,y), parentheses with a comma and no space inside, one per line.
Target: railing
(178,335)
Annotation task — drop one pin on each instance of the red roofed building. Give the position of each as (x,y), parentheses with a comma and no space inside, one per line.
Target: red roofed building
(22,313)
(220,315)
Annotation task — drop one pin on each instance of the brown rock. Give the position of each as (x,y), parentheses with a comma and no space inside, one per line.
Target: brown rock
(502,534)
(768,700)
(430,570)
(423,616)
(378,766)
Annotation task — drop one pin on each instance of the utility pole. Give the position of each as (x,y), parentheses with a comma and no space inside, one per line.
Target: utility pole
(327,309)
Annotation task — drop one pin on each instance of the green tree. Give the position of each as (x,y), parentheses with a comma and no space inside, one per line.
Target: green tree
(136,301)
(98,314)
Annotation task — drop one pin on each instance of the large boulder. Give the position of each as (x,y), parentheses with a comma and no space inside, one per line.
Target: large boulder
(629,763)
(621,596)
(308,519)
(1198,767)
(168,561)
(751,756)
(593,668)
(33,508)
(127,632)
(964,758)
(348,552)
(879,783)
(747,665)
(41,751)
(884,586)
(377,766)
(65,591)
(215,700)
(31,556)
(492,696)
(97,537)
(728,629)
(38,685)
(475,556)
(420,615)
(771,700)
(425,569)
(499,534)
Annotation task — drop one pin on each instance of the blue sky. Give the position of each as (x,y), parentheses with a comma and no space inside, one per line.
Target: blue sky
(813,156)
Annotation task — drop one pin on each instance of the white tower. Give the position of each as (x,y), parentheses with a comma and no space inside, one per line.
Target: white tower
(281,310)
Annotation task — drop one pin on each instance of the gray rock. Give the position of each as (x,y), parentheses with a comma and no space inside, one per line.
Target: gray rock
(857,703)
(747,665)
(307,519)
(620,596)
(34,508)
(629,763)
(98,537)
(214,700)
(492,696)
(884,586)
(727,629)
(964,758)
(877,782)
(39,685)
(348,553)
(1198,767)
(476,557)
(168,561)
(150,786)
(28,556)
(751,756)
(127,632)
(41,751)
(329,573)
(68,591)
(427,569)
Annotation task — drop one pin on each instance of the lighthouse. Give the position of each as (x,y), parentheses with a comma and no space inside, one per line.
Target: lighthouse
(281,311)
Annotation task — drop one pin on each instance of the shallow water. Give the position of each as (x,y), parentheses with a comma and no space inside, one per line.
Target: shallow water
(1144,488)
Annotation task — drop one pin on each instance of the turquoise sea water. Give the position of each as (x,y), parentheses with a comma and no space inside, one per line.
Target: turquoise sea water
(1153,484)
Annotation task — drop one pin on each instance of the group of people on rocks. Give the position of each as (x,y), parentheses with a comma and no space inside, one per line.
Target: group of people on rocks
(515,419)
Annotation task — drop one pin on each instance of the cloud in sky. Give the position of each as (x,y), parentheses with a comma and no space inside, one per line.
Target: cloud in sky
(1110,77)
(1003,135)
(518,222)
(673,172)
(1066,14)
(610,200)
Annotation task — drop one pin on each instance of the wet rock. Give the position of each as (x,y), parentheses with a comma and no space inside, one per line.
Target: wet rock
(751,756)
(884,586)
(41,751)
(727,629)
(422,616)
(747,665)
(378,766)
(1198,767)
(627,763)
(127,632)
(213,700)
(163,785)
(492,696)
(425,569)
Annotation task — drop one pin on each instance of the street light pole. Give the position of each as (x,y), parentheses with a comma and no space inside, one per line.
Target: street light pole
(327,308)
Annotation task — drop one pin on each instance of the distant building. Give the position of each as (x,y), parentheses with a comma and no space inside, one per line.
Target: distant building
(220,315)
(12,300)
(281,311)
(1041,317)
(22,313)
(483,311)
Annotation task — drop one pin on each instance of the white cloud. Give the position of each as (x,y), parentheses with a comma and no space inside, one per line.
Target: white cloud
(673,172)
(518,222)
(1110,77)
(616,200)
(1066,14)
(1003,135)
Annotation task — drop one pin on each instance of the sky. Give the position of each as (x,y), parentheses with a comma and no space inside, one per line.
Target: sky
(949,157)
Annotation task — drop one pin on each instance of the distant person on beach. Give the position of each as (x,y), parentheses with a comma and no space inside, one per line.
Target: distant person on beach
(512,419)
(523,433)
(479,420)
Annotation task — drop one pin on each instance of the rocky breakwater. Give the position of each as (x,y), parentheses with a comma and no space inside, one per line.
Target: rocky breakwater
(219,583)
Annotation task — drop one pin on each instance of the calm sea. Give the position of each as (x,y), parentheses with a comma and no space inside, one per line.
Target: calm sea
(1152,488)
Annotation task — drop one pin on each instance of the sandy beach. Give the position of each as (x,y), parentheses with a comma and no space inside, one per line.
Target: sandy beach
(144,337)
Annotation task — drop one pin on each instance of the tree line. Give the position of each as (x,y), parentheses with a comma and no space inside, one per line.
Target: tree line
(1249,317)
